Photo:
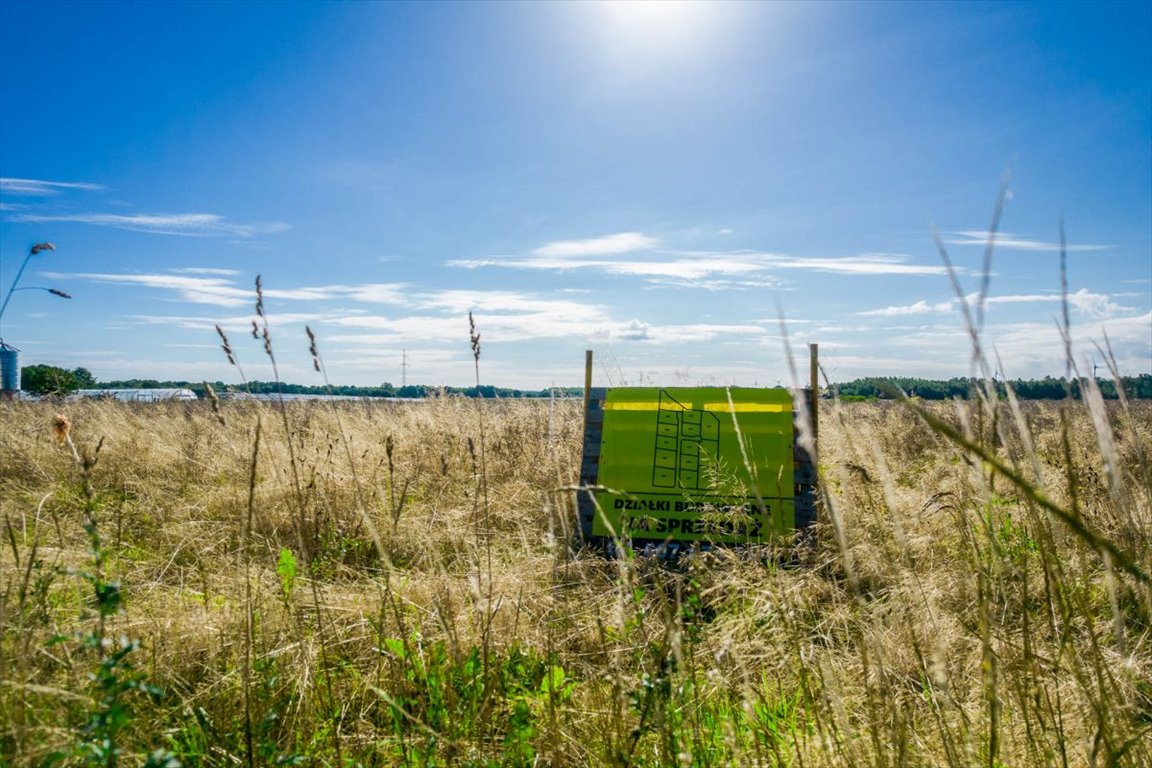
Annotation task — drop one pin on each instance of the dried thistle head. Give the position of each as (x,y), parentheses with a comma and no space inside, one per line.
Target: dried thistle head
(61,427)
(42,247)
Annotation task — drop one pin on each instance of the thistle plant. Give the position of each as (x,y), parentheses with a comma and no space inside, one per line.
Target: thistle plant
(114,678)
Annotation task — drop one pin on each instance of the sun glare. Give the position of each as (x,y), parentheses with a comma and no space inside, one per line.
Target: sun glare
(654,14)
(659,25)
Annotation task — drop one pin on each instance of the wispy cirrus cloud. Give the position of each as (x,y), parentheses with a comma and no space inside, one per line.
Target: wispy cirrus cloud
(607,245)
(638,330)
(1008,241)
(918,308)
(184,224)
(214,286)
(1094,305)
(217,291)
(684,268)
(207,271)
(719,284)
(864,264)
(429,317)
(695,269)
(497,302)
(42,188)
(527,327)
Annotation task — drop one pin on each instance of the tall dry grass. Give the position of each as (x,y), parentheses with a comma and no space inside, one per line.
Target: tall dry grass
(440,612)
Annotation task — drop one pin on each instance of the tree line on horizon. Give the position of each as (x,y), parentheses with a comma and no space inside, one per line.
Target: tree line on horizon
(47,380)
(1048,388)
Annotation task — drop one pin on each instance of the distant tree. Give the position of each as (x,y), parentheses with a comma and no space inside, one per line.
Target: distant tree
(84,378)
(1138,386)
(47,380)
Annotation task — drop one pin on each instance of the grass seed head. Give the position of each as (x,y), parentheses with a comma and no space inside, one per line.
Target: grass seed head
(224,343)
(259,297)
(474,337)
(312,350)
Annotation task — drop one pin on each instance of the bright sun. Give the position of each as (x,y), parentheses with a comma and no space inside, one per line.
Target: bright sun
(655,17)
(660,26)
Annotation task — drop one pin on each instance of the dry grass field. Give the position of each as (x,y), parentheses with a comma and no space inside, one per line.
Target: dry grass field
(397,584)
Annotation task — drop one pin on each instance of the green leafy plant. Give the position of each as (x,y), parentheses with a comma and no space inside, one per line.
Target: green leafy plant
(113,678)
(286,570)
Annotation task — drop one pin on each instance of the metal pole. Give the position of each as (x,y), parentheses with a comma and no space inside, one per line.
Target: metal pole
(12,288)
(20,273)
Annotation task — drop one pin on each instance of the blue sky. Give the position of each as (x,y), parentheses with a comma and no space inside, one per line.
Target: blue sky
(656,181)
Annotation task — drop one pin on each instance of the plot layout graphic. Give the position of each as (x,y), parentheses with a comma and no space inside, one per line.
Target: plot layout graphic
(674,465)
(687,440)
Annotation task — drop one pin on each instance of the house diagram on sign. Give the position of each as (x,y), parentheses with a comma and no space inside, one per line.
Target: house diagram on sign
(686,440)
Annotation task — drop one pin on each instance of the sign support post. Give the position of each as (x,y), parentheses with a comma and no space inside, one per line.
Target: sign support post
(814,390)
(587,379)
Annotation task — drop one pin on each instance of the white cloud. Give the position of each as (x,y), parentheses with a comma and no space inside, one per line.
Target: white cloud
(39,187)
(554,319)
(1096,305)
(207,271)
(686,269)
(1136,331)
(197,290)
(847,367)
(718,285)
(682,268)
(864,264)
(218,290)
(524,319)
(1025,349)
(1008,241)
(919,308)
(623,242)
(379,293)
(633,330)
(461,302)
(185,224)
(691,266)
(669,334)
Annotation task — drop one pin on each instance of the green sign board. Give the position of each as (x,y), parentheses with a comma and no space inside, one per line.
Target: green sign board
(695,464)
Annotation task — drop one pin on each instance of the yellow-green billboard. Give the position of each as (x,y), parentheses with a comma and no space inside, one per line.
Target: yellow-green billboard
(692,464)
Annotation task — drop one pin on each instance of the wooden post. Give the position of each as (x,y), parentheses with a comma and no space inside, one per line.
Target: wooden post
(814,403)
(587,381)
